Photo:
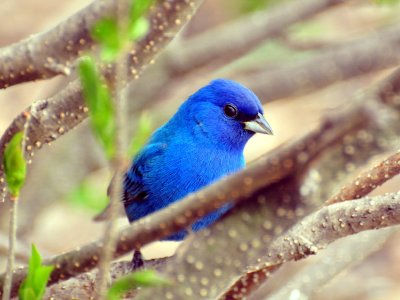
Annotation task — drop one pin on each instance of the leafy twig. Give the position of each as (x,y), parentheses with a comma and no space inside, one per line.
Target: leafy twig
(15,169)
(117,165)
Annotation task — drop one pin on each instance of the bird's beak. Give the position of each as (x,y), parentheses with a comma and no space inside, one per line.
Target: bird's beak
(259,124)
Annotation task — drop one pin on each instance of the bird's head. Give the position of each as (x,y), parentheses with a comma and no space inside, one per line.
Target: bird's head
(226,112)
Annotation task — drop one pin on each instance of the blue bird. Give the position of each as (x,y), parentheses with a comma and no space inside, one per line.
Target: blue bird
(202,142)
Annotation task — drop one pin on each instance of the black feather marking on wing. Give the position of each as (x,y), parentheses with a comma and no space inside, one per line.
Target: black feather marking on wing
(134,187)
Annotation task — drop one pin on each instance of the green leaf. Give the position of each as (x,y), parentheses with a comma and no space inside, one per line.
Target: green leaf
(35,260)
(14,164)
(34,285)
(145,278)
(139,29)
(142,134)
(40,280)
(138,9)
(106,32)
(27,293)
(138,25)
(98,100)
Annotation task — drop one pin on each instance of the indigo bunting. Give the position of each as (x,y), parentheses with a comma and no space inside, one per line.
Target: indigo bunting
(202,142)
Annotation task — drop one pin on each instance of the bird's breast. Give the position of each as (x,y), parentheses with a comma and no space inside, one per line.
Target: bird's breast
(184,169)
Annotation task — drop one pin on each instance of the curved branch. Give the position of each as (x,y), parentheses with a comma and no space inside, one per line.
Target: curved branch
(53,52)
(333,222)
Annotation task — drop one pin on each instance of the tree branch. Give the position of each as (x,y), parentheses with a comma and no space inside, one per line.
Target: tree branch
(370,180)
(332,222)
(55,51)
(334,260)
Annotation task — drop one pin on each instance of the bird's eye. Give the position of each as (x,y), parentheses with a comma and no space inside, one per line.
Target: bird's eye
(230,110)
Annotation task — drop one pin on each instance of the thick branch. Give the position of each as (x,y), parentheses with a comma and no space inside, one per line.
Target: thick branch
(73,104)
(53,52)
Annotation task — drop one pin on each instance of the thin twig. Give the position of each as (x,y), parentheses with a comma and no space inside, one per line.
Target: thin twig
(12,240)
(117,165)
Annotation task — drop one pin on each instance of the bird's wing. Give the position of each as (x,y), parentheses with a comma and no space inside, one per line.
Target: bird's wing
(134,187)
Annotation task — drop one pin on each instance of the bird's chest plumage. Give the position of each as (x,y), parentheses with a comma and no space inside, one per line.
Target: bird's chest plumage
(185,168)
